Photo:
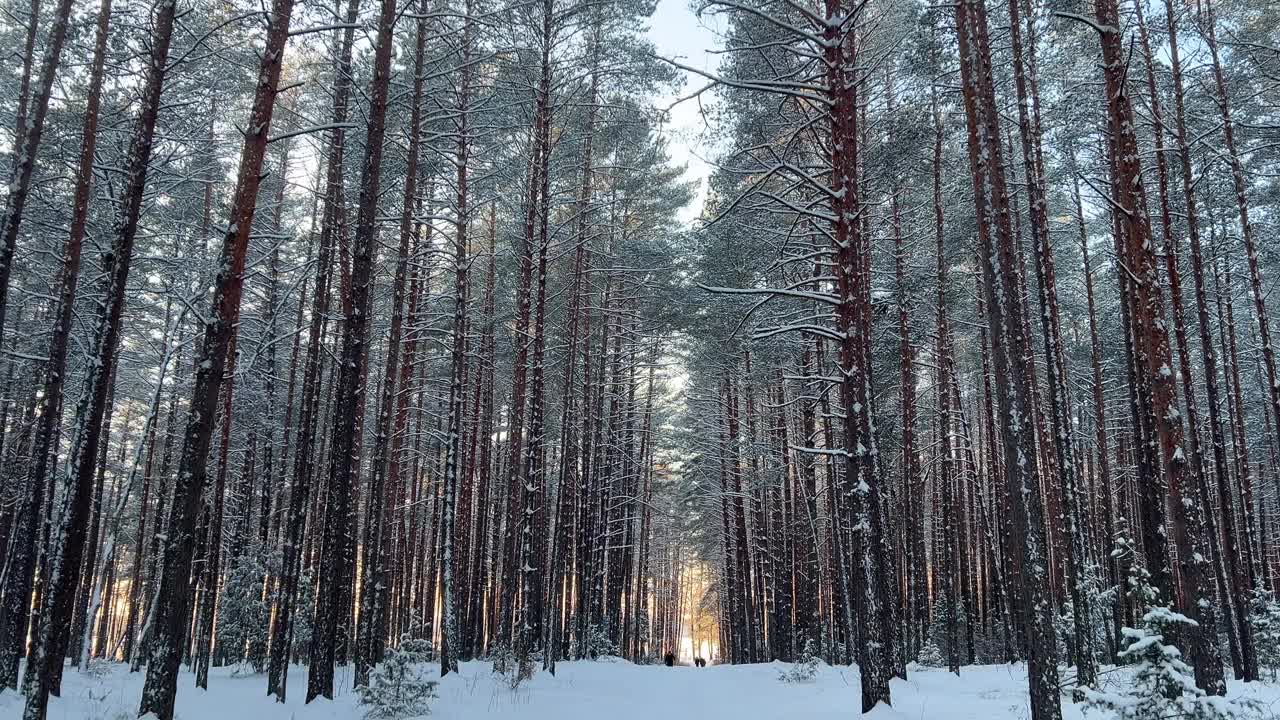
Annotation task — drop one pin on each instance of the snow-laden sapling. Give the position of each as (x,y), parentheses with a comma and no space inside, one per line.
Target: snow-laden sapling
(244,614)
(595,643)
(931,655)
(1265,623)
(503,658)
(400,687)
(805,668)
(508,664)
(1164,686)
(947,632)
(1099,608)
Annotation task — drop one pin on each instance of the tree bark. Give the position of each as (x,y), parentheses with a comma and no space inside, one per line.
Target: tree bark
(338,547)
(1011,348)
(172,607)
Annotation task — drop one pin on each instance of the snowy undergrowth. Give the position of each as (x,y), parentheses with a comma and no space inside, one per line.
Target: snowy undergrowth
(603,691)
(1162,685)
(805,668)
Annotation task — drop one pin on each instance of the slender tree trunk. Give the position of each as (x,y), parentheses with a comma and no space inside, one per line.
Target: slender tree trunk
(458,368)
(92,407)
(311,413)
(1154,354)
(377,538)
(172,606)
(1208,31)
(1055,364)
(851,249)
(1235,600)
(65,557)
(28,138)
(332,615)
(1011,346)
(1105,477)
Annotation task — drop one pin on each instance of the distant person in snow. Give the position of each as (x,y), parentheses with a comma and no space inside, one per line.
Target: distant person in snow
(699,662)
(669,659)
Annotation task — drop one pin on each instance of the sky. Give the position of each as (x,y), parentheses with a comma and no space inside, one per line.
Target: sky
(681,36)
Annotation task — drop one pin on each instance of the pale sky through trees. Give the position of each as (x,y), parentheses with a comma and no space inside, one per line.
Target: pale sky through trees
(680,35)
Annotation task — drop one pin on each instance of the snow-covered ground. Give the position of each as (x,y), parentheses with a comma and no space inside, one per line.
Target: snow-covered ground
(596,691)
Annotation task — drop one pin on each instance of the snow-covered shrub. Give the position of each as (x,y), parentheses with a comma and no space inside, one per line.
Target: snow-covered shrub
(840,654)
(1095,625)
(503,658)
(943,624)
(400,686)
(990,642)
(1164,686)
(98,667)
(594,645)
(244,613)
(1264,620)
(805,668)
(930,656)
(508,664)
(1137,581)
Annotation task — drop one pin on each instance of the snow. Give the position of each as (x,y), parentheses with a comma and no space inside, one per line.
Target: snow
(604,690)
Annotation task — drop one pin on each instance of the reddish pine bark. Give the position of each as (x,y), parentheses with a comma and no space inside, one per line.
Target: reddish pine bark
(172,608)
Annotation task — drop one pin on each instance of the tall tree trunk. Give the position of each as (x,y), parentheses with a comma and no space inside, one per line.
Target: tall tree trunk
(311,412)
(28,139)
(50,634)
(1246,665)
(377,537)
(1105,477)
(214,509)
(89,414)
(172,605)
(1011,348)
(1208,31)
(851,249)
(1154,354)
(338,547)
(1063,450)
(457,368)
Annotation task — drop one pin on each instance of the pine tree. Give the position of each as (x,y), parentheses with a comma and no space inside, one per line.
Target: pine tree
(1163,685)
(244,613)
(1264,617)
(805,668)
(399,687)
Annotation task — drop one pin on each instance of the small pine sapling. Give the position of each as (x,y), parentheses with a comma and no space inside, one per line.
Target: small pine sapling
(947,624)
(805,668)
(507,664)
(502,657)
(244,613)
(400,687)
(1163,686)
(594,644)
(1265,622)
(931,655)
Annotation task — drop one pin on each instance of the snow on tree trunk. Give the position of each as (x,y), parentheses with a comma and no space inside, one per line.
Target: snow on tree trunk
(172,605)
